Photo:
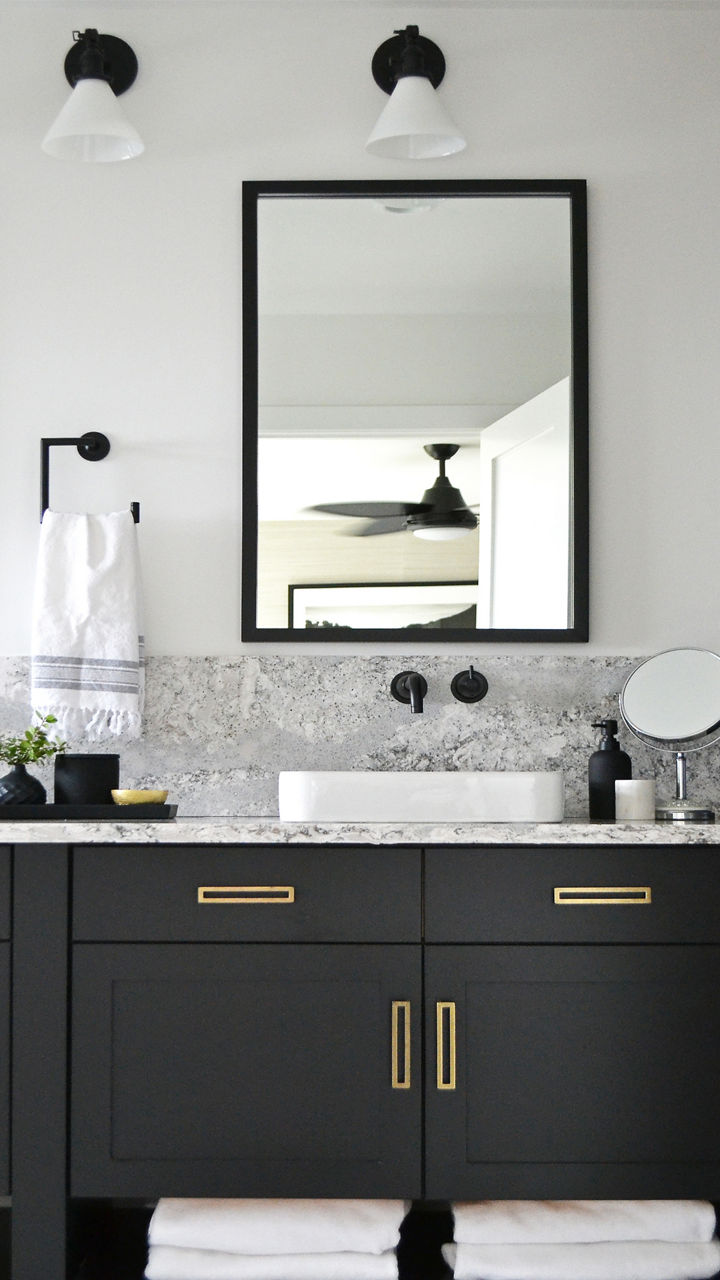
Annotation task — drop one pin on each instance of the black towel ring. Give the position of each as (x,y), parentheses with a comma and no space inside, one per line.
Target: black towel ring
(93,446)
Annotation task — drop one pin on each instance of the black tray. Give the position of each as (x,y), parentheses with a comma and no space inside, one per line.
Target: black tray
(86,812)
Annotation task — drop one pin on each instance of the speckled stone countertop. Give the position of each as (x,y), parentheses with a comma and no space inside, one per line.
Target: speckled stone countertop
(234,831)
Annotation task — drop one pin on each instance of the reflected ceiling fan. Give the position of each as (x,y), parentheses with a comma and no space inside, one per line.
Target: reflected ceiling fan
(441,514)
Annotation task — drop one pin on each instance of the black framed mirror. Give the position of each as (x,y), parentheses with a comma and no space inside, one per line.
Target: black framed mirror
(415,411)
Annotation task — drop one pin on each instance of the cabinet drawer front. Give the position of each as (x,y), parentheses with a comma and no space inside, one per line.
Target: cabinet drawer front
(657,894)
(252,894)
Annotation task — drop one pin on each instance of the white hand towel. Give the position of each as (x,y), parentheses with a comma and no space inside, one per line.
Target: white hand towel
(617,1260)
(87,643)
(278,1226)
(168,1263)
(547,1221)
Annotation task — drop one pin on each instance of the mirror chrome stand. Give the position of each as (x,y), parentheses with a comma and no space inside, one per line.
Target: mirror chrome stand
(671,702)
(681,809)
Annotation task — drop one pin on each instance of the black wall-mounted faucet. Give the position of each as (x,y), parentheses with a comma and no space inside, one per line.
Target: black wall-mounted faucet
(469,686)
(409,686)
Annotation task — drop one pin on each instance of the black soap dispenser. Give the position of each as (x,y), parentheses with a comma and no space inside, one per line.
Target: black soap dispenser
(606,765)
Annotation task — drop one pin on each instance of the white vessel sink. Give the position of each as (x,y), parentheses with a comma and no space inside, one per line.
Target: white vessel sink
(383,796)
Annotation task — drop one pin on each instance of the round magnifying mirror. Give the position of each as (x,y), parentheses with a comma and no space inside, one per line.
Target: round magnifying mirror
(672,703)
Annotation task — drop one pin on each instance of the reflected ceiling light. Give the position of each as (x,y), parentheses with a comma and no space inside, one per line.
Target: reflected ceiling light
(444,533)
(407,204)
(414,124)
(92,125)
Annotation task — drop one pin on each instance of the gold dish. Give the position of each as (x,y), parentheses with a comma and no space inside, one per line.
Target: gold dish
(139,797)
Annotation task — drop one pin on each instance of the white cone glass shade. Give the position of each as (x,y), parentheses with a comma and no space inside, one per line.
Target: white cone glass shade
(92,126)
(414,124)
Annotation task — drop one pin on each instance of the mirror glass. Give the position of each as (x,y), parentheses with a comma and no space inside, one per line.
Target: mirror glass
(672,703)
(415,411)
(673,699)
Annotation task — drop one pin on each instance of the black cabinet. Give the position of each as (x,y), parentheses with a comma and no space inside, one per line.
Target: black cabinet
(5,1055)
(40,992)
(264,1038)
(5,935)
(580,1061)
(248,1021)
(458,1023)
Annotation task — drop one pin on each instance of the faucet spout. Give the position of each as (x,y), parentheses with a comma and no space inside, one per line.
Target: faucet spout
(409,686)
(414,684)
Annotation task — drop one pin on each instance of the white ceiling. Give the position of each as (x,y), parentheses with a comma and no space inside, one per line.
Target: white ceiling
(449,256)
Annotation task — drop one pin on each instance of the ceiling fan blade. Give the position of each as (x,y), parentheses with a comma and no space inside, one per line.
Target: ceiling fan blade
(372,510)
(390,524)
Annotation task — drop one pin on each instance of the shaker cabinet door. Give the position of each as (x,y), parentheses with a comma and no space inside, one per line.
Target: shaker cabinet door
(258,1070)
(573,1072)
(4,1067)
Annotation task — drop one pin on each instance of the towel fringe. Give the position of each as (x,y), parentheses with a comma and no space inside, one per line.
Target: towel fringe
(83,722)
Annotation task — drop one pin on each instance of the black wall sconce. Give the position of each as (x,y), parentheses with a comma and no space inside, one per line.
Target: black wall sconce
(92,125)
(414,124)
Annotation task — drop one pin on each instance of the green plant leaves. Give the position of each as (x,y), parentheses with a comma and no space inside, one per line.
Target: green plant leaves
(33,745)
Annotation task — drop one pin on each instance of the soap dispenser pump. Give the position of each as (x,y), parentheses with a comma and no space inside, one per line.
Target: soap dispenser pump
(606,765)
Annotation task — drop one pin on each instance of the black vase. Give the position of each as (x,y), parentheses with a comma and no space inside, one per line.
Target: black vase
(18,787)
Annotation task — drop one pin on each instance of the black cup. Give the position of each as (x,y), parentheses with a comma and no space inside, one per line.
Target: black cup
(86,779)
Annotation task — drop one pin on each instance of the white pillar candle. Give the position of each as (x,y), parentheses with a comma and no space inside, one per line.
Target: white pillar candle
(635,800)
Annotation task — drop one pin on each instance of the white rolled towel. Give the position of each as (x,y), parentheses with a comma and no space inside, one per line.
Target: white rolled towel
(548,1221)
(166,1262)
(621,1260)
(279,1226)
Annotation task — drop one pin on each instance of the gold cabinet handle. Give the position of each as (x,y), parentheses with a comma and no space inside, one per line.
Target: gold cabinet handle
(245,893)
(445,1024)
(597,895)
(400,1074)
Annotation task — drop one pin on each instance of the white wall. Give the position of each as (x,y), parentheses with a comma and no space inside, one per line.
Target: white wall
(120,285)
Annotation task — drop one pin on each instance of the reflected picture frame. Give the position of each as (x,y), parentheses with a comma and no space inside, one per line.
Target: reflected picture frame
(341,606)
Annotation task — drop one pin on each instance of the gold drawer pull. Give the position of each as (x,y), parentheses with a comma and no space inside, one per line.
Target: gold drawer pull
(592,895)
(445,1020)
(246,893)
(400,1013)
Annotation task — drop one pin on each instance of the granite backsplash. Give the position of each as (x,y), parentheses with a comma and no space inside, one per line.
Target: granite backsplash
(218,730)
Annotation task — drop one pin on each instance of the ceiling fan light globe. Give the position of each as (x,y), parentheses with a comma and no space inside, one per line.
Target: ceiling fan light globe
(442,533)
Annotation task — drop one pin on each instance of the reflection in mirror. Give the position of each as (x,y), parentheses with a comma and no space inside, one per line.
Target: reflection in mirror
(415,411)
(672,703)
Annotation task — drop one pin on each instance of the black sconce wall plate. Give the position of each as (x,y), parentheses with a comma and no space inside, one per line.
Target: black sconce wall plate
(120,62)
(388,58)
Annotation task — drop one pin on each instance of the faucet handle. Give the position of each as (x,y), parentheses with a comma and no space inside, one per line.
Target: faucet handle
(469,686)
(409,686)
